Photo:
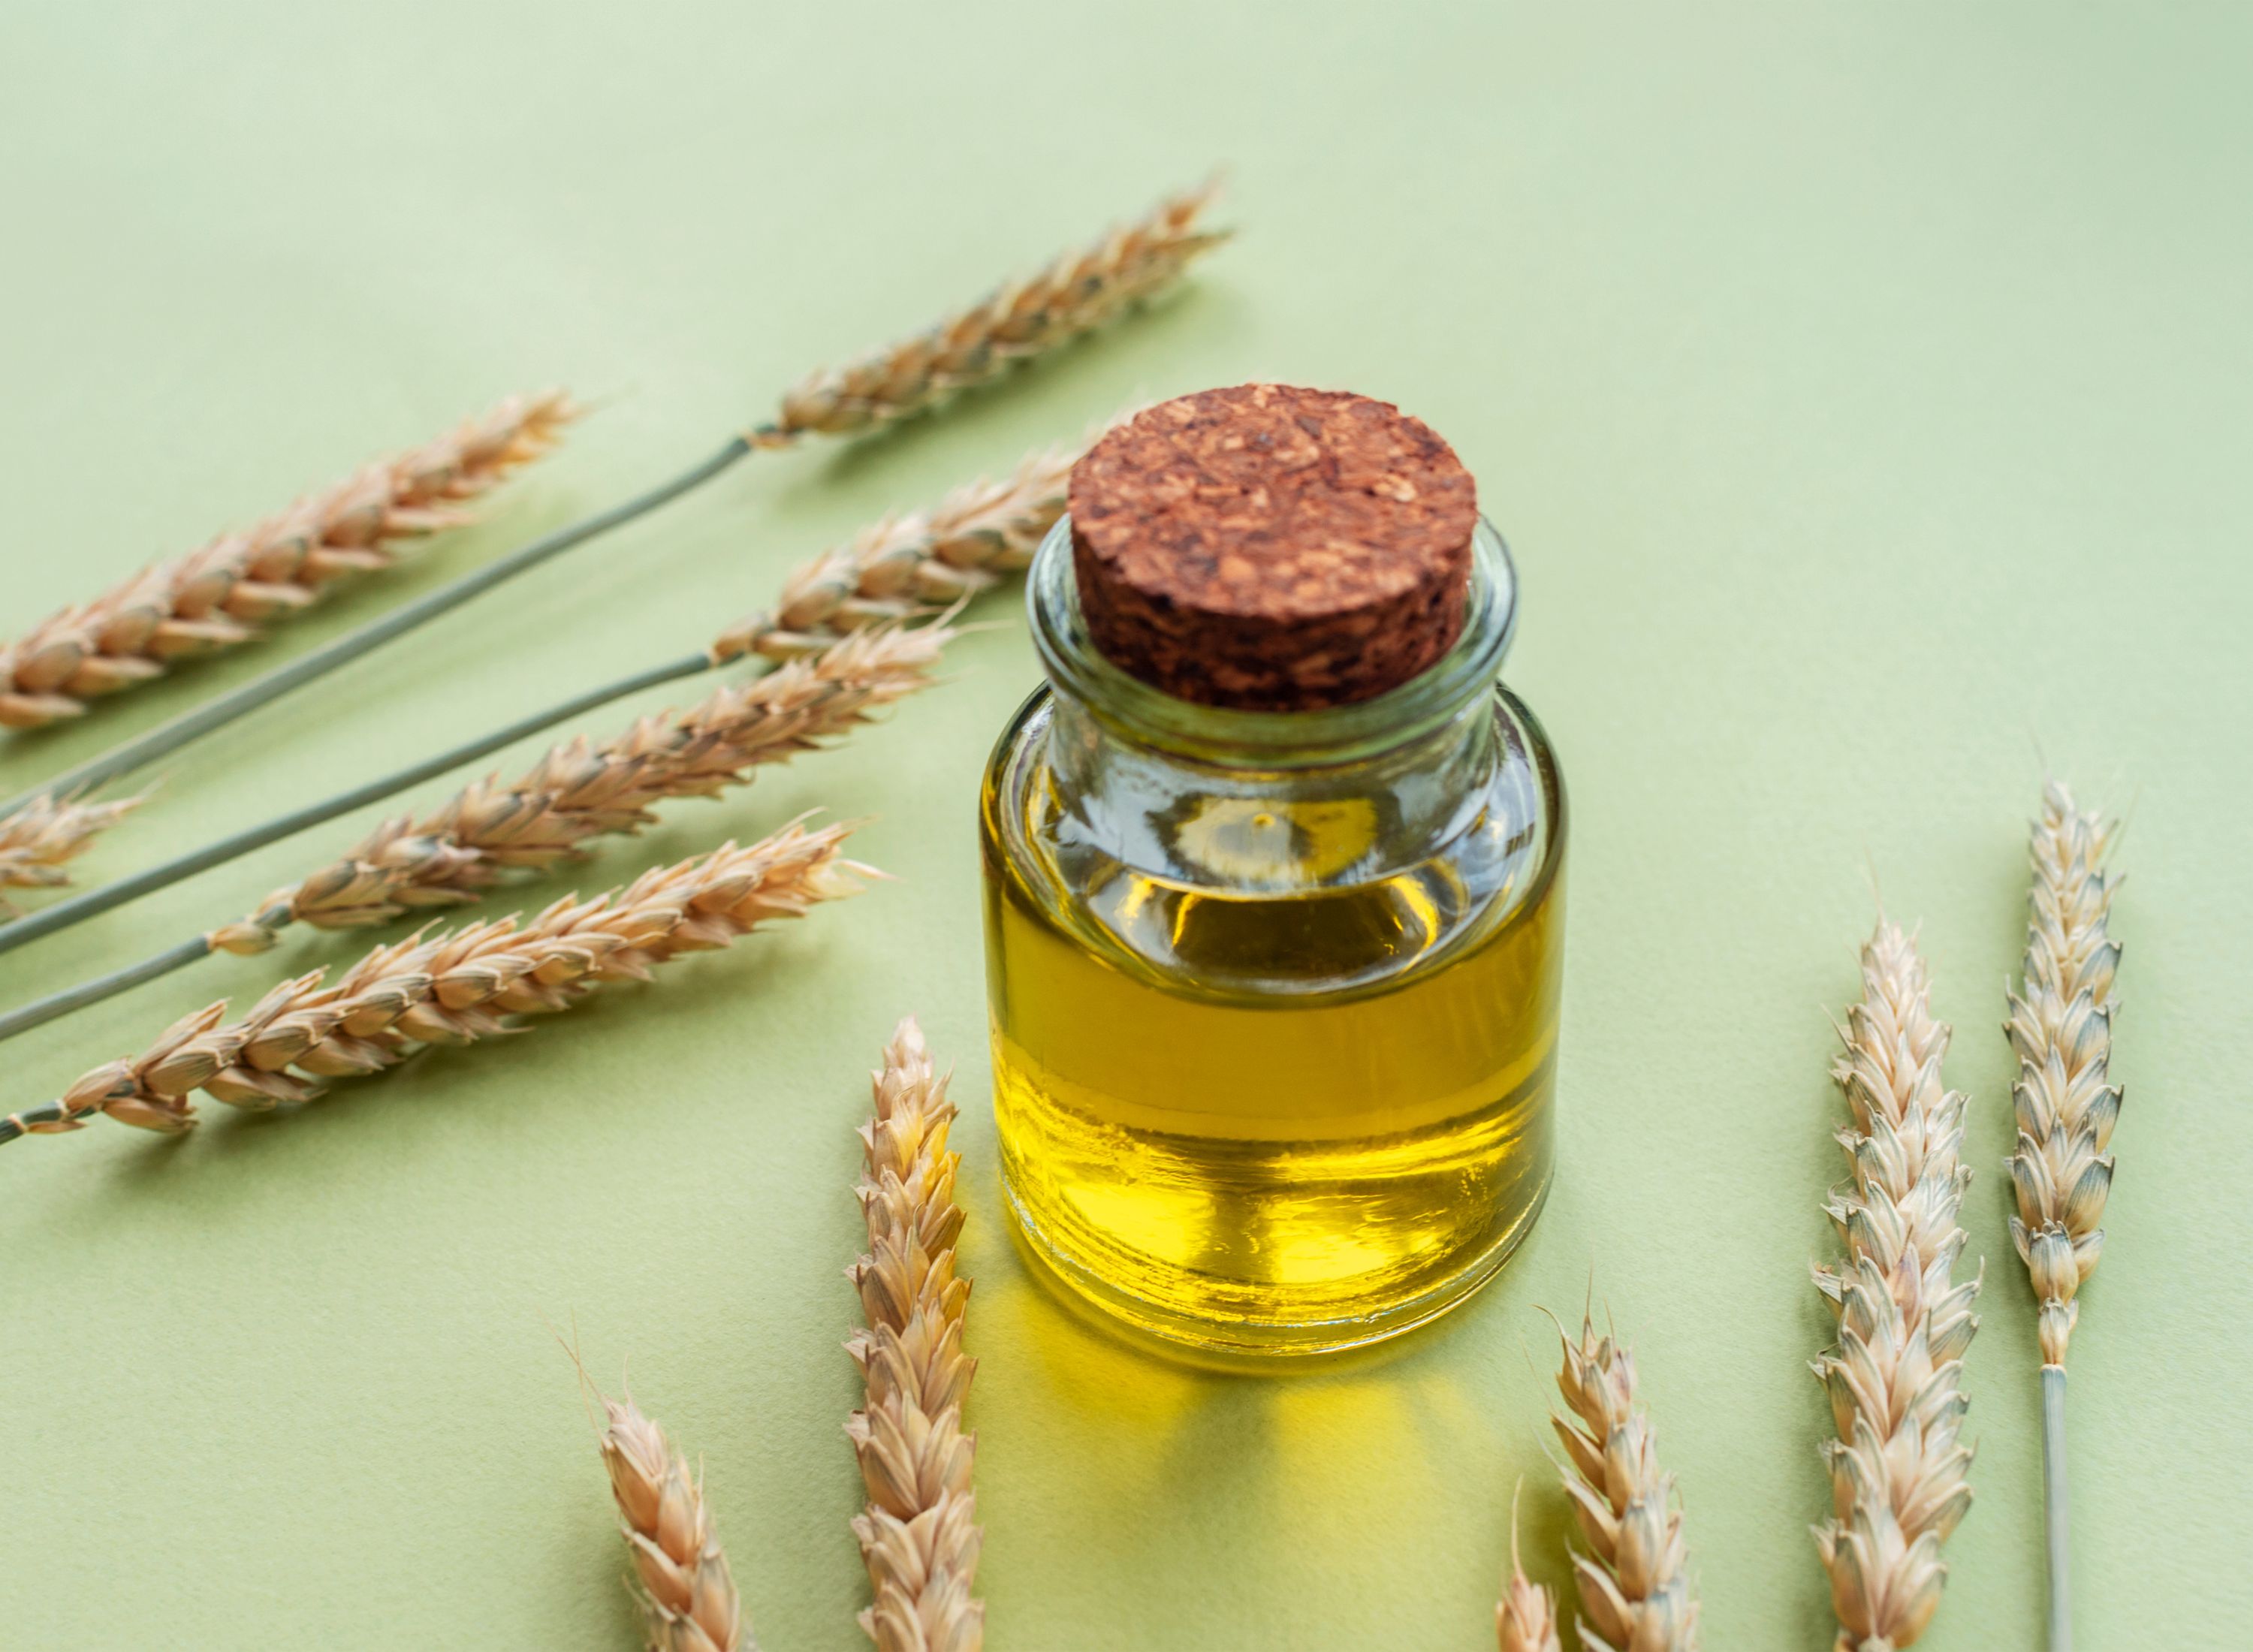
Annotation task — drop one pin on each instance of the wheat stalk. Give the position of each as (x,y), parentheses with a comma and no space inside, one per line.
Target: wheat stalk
(1634,1587)
(2061,1030)
(213,598)
(918,1536)
(580,790)
(1898,1468)
(36,842)
(1078,292)
(453,989)
(686,1588)
(1526,1617)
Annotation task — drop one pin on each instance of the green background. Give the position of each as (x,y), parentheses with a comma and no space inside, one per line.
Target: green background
(1865,391)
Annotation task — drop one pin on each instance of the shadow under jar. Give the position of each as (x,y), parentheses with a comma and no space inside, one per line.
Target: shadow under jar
(1273,985)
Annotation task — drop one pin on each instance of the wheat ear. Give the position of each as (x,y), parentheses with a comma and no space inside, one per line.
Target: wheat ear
(1078,292)
(1632,1579)
(213,598)
(580,790)
(1899,1466)
(685,1587)
(968,542)
(453,989)
(2061,1030)
(36,842)
(919,1535)
(1525,1618)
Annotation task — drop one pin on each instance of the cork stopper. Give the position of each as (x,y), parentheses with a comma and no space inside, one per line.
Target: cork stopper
(1273,548)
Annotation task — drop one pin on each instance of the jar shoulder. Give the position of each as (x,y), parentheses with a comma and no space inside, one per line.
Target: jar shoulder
(1287,881)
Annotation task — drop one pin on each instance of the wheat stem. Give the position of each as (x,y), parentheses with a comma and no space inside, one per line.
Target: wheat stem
(452,987)
(212,598)
(685,1586)
(2056,1507)
(1079,292)
(1633,1578)
(1894,1377)
(919,1537)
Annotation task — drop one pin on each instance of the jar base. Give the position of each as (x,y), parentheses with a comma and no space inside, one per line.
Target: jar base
(1245,1344)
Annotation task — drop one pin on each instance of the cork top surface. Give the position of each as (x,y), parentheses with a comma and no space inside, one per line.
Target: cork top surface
(1272,547)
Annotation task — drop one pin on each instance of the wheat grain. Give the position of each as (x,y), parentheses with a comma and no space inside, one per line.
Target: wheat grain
(2061,1030)
(580,790)
(453,989)
(1894,1378)
(1080,292)
(1526,1617)
(37,840)
(686,1588)
(918,1536)
(1634,1587)
(214,597)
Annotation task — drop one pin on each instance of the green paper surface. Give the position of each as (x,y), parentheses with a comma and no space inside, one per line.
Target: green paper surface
(1865,393)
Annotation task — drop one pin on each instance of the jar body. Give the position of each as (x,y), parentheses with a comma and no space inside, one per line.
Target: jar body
(1274,1043)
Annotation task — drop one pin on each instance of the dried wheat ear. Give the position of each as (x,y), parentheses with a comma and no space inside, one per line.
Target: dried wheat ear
(1899,1468)
(1080,292)
(581,791)
(1632,1577)
(215,598)
(919,1536)
(2061,1030)
(454,987)
(41,838)
(686,1590)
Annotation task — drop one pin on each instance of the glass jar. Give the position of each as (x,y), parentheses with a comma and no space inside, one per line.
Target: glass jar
(1273,995)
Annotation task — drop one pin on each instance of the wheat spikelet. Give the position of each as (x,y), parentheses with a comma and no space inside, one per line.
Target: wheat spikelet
(965,544)
(919,1536)
(38,840)
(1525,1618)
(453,989)
(1080,292)
(580,790)
(2061,1029)
(212,598)
(686,1588)
(1898,1468)
(1634,1592)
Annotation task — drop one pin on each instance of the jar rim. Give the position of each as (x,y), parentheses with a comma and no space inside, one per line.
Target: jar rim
(1231,738)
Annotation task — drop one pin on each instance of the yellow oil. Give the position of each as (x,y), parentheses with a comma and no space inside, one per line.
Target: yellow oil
(1265,1122)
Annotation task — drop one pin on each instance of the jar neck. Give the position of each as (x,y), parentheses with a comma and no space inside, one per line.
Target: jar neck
(1258,800)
